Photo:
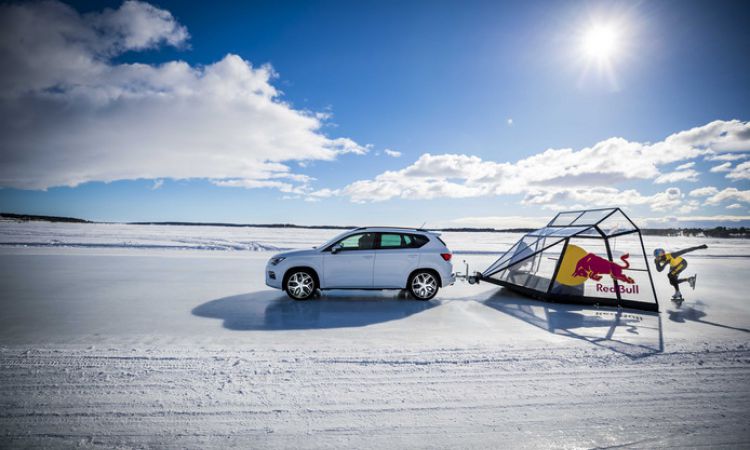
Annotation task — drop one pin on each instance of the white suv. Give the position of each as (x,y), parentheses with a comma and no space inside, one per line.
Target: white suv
(366,258)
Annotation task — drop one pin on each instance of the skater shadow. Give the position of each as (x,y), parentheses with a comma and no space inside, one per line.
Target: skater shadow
(272,310)
(632,334)
(695,313)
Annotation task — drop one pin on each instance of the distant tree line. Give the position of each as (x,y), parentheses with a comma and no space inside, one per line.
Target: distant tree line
(29,217)
(717,232)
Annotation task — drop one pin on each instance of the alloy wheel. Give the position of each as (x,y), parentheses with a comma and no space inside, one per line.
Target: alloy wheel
(300,285)
(424,285)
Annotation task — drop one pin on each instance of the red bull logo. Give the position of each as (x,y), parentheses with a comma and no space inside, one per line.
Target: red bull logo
(594,267)
(578,266)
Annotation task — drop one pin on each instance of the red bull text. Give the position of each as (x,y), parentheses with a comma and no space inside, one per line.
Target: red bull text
(622,288)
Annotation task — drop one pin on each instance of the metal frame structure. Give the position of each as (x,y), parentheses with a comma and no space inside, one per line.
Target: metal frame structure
(583,232)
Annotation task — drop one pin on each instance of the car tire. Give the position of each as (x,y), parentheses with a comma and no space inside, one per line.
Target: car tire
(300,284)
(423,285)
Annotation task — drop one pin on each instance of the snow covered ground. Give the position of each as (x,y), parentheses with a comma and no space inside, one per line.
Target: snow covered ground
(142,336)
(158,237)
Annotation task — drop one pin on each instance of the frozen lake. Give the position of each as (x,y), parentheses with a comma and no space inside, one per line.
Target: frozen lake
(110,337)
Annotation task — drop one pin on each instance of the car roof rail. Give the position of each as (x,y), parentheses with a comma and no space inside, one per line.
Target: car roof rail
(394,228)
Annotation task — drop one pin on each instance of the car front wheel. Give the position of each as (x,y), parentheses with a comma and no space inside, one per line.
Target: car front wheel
(423,285)
(300,285)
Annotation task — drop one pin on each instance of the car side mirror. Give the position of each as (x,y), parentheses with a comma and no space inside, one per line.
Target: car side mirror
(336,248)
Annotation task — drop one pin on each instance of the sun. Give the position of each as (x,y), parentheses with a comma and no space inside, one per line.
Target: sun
(601,42)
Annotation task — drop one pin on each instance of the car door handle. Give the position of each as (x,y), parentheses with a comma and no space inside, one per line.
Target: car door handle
(412,256)
(367,256)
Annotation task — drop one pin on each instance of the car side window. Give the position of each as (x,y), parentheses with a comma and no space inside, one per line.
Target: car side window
(391,240)
(418,241)
(360,241)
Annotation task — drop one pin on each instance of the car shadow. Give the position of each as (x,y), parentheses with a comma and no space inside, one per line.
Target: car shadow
(635,334)
(272,310)
(696,313)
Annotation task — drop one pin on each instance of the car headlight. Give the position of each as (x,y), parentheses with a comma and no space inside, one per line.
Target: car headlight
(277,260)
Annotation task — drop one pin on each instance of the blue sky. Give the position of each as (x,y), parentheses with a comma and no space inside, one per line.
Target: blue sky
(466,92)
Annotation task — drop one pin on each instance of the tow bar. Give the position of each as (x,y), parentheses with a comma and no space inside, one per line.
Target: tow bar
(471,279)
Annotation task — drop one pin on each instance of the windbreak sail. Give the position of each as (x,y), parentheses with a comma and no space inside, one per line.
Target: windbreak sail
(617,223)
(594,256)
(535,272)
(530,244)
(593,217)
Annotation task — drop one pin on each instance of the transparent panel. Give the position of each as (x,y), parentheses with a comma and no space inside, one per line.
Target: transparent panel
(524,248)
(558,231)
(591,232)
(585,270)
(628,253)
(616,223)
(566,232)
(593,217)
(535,272)
(564,219)
(546,231)
(503,260)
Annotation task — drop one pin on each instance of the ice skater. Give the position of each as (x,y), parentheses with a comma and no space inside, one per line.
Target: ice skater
(677,264)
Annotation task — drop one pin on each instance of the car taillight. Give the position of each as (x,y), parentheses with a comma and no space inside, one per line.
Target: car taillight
(446,256)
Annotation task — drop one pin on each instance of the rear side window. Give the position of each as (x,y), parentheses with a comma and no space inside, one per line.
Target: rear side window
(391,240)
(401,240)
(419,240)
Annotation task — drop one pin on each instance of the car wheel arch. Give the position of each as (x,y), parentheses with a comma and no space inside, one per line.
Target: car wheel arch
(424,269)
(291,270)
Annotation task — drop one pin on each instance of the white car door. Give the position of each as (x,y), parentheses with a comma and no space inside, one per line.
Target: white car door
(351,266)
(394,260)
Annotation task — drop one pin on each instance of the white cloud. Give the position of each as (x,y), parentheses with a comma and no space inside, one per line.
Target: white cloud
(704,191)
(727,157)
(500,222)
(679,175)
(729,194)
(72,115)
(559,177)
(603,196)
(741,172)
(725,167)
(685,166)
(392,153)
(673,220)
(735,206)
(717,136)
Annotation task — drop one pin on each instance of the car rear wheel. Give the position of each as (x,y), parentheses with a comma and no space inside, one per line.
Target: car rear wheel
(300,285)
(423,285)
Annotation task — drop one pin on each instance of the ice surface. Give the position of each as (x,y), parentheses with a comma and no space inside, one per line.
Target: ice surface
(185,347)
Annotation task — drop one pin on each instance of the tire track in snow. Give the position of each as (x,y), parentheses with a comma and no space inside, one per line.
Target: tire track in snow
(331,398)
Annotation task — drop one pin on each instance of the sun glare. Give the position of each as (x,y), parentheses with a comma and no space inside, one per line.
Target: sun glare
(603,47)
(600,42)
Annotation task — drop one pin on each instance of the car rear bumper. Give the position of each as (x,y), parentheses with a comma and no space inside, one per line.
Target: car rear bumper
(448,280)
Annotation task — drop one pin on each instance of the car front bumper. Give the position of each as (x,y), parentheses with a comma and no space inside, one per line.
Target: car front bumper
(273,277)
